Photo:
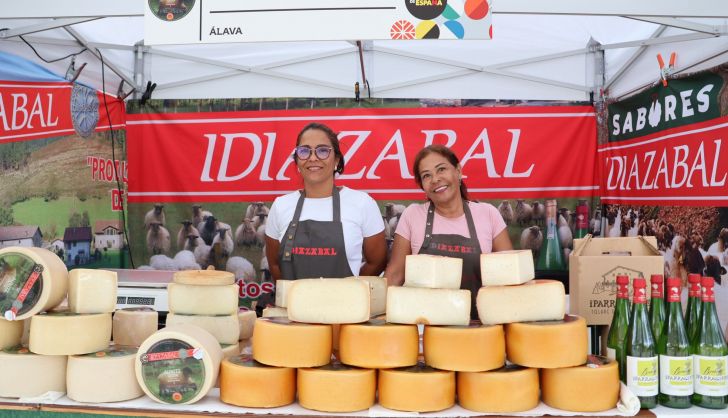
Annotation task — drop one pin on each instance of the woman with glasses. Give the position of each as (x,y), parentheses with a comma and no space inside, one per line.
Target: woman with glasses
(323,230)
(448,224)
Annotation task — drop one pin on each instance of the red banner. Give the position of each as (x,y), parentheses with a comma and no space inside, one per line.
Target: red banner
(685,166)
(31,110)
(518,152)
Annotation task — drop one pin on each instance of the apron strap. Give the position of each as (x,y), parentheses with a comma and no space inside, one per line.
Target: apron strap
(471,226)
(428,226)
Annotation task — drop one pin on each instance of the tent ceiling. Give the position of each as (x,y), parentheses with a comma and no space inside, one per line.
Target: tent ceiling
(540,51)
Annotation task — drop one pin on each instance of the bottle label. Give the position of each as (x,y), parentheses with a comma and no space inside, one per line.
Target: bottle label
(708,294)
(673,294)
(642,378)
(622,291)
(711,375)
(611,354)
(639,295)
(657,290)
(582,217)
(676,375)
(551,229)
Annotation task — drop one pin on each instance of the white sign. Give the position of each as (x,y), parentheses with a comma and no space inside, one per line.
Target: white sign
(217,21)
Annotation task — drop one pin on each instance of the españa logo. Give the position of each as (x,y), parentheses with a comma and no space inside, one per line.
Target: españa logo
(170,10)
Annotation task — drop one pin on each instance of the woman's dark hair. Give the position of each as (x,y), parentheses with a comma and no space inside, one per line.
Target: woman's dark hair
(333,138)
(449,156)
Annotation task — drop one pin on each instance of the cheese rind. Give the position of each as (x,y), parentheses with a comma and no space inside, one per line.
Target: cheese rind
(416,389)
(204,277)
(433,271)
(336,388)
(537,300)
(282,343)
(475,348)
(505,390)
(547,344)
(411,305)
(377,293)
(377,345)
(225,328)
(275,312)
(131,326)
(32,374)
(103,376)
(506,268)
(591,387)
(11,333)
(328,301)
(203,300)
(248,383)
(246,321)
(230,350)
(92,291)
(282,287)
(65,333)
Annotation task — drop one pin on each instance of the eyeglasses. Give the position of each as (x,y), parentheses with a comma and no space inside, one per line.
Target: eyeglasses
(303,152)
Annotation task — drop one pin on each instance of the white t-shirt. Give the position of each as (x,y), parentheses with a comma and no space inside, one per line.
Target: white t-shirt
(360,218)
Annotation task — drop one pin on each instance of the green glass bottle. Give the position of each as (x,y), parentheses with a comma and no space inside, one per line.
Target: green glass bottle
(551,257)
(710,355)
(673,350)
(581,227)
(657,306)
(620,324)
(692,314)
(641,352)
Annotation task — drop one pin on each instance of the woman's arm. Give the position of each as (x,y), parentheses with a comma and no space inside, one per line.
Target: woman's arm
(374,249)
(401,248)
(271,253)
(502,242)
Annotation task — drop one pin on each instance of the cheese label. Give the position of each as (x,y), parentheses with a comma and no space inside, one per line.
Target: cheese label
(173,371)
(711,375)
(676,375)
(113,351)
(642,376)
(21,283)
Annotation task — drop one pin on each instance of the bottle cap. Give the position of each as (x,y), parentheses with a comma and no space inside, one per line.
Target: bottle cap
(673,282)
(639,282)
(693,278)
(656,278)
(707,282)
(622,279)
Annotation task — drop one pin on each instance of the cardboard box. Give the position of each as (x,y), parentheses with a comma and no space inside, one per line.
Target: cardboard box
(593,268)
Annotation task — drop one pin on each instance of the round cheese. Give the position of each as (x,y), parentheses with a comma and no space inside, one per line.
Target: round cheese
(474,348)
(225,328)
(378,345)
(92,291)
(275,312)
(103,376)
(11,332)
(547,344)
(336,388)
(591,387)
(132,326)
(32,280)
(282,343)
(65,333)
(202,300)
(25,374)
(245,382)
(178,364)
(204,277)
(230,350)
(418,388)
(282,287)
(508,389)
(246,322)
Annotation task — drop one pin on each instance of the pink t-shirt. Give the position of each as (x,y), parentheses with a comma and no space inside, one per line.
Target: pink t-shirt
(488,224)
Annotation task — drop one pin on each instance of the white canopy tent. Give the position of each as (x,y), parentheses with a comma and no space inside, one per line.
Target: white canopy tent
(556,50)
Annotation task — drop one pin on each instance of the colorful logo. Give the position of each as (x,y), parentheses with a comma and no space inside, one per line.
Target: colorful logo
(170,10)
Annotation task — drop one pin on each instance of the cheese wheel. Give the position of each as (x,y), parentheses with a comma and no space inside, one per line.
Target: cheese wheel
(474,348)
(230,350)
(432,271)
(246,322)
(548,344)
(28,375)
(204,277)
(377,294)
(275,312)
(24,294)
(282,287)
(282,343)
(202,300)
(103,376)
(92,291)
(537,300)
(65,333)
(411,305)
(225,328)
(131,326)
(11,333)
(508,389)
(336,388)
(506,267)
(245,382)
(328,301)
(378,345)
(418,388)
(178,364)
(592,387)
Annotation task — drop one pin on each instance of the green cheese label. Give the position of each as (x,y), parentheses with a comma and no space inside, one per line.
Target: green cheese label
(15,270)
(173,371)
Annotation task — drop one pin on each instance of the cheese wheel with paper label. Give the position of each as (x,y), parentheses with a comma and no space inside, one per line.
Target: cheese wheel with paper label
(92,291)
(225,328)
(474,348)
(204,277)
(131,326)
(202,300)
(378,345)
(178,364)
(592,387)
(103,376)
(336,388)
(509,389)
(66,333)
(328,301)
(418,388)
(283,343)
(32,280)
(11,332)
(26,375)
(246,321)
(248,383)
(548,344)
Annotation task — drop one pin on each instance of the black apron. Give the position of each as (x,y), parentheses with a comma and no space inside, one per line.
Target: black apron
(458,246)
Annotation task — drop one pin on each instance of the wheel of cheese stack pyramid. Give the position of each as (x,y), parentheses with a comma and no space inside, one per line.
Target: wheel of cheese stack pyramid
(474,348)
(336,388)
(92,291)
(328,301)
(547,344)
(418,388)
(196,300)
(178,364)
(378,345)
(225,328)
(103,376)
(283,343)
(11,332)
(248,383)
(246,322)
(24,293)
(509,389)
(26,375)
(208,277)
(131,326)
(65,334)
(592,387)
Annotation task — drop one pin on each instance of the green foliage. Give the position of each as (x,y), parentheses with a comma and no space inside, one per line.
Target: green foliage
(75,220)
(6,215)
(85,220)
